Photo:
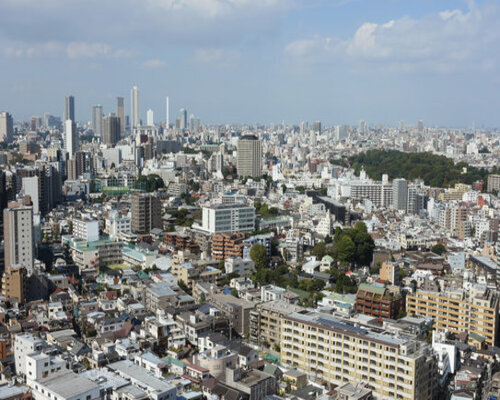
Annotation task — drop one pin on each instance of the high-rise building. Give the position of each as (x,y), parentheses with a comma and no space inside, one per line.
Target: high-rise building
(69,108)
(71,141)
(420,126)
(249,162)
(399,194)
(135,113)
(111,130)
(14,283)
(6,127)
(167,105)
(317,127)
(146,212)
(493,183)
(18,235)
(150,118)
(183,118)
(97,120)
(120,112)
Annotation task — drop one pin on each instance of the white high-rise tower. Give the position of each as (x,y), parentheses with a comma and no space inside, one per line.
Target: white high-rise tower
(70,138)
(135,114)
(168,111)
(150,121)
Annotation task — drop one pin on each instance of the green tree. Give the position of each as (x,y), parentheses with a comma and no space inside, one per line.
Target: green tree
(439,249)
(258,254)
(319,250)
(345,249)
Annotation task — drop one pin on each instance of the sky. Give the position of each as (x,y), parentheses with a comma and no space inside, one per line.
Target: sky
(249,61)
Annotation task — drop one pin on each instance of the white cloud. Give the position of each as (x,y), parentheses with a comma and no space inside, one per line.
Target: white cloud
(154,64)
(33,50)
(87,50)
(444,41)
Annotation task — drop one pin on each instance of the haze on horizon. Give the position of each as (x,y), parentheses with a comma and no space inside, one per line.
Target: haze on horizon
(246,61)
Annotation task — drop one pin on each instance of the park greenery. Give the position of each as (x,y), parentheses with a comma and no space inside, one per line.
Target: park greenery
(435,170)
(149,183)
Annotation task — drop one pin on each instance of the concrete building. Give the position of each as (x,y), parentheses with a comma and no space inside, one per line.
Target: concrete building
(399,194)
(493,179)
(135,113)
(111,130)
(14,283)
(6,127)
(458,310)
(86,229)
(97,120)
(249,163)
(339,352)
(378,301)
(71,140)
(146,212)
(227,218)
(226,245)
(120,113)
(18,235)
(69,108)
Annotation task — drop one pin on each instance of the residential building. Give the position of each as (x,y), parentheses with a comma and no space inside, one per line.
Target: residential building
(249,163)
(399,194)
(111,134)
(71,140)
(14,283)
(18,235)
(146,212)
(378,301)
(339,352)
(97,122)
(492,185)
(86,229)
(226,245)
(458,310)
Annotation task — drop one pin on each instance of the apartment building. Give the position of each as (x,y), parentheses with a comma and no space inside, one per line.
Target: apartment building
(225,245)
(458,310)
(14,283)
(378,301)
(146,212)
(227,218)
(395,366)
(265,321)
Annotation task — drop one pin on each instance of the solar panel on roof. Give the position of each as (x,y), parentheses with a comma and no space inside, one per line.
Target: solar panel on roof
(340,325)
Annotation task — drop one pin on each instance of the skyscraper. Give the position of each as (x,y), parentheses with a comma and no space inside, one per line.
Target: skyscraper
(120,112)
(420,126)
(135,114)
(167,105)
(249,161)
(6,127)
(97,120)
(399,194)
(111,130)
(69,108)
(183,118)
(71,142)
(18,235)
(150,121)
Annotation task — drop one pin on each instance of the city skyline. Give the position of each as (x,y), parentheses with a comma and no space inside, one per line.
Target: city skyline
(258,61)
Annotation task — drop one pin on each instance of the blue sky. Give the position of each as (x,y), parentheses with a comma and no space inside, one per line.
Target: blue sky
(246,61)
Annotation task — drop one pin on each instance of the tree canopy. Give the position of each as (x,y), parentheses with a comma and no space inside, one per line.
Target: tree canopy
(435,170)
(258,254)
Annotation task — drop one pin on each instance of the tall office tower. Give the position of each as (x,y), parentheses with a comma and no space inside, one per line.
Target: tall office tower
(150,121)
(120,112)
(401,125)
(249,161)
(71,142)
(6,127)
(111,130)
(183,118)
(361,127)
(69,108)
(4,198)
(146,212)
(18,235)
(167,105)
(317,127)
(35,123)
(135,113)
(420,126)
(303,127)
(399,194)
(97,120)
(32,189)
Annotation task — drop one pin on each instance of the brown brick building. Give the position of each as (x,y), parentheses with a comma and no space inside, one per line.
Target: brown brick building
(225,245)
(378,301)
